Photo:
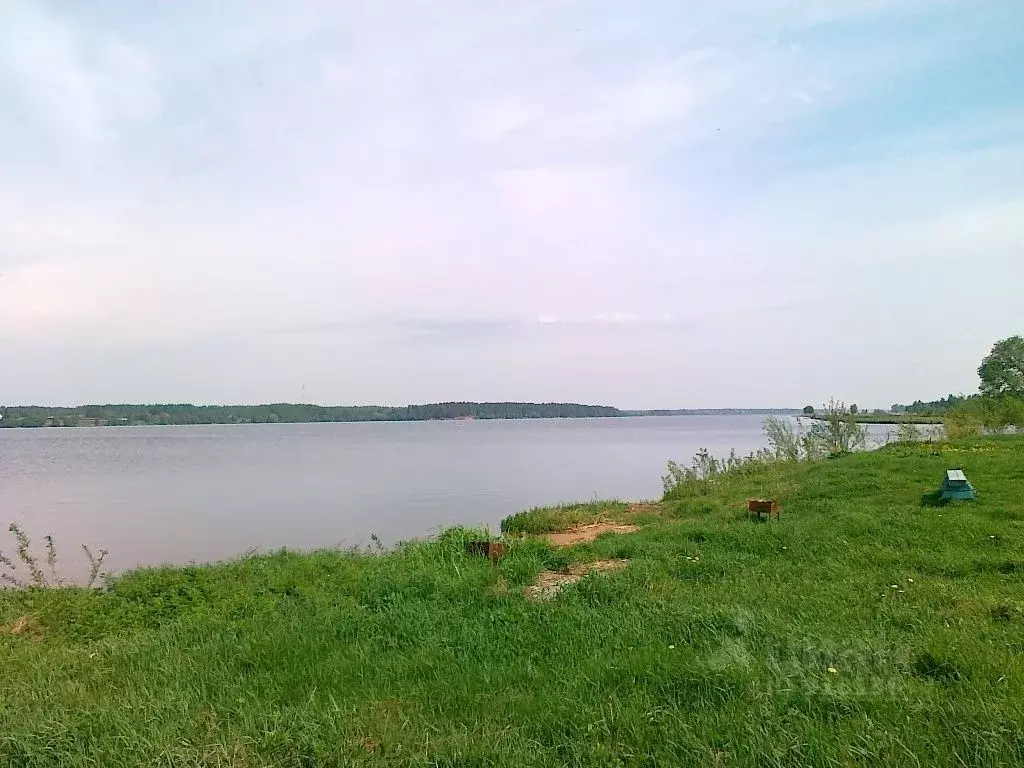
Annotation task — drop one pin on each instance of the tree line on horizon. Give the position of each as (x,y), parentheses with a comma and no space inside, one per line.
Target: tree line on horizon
(286,413)
(999,403)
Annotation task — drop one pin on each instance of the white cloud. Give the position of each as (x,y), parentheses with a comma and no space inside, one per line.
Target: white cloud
(528,181)
(83,90)
(494,120)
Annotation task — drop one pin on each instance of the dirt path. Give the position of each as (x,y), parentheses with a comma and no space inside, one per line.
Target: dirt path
(584,533)
(550,583)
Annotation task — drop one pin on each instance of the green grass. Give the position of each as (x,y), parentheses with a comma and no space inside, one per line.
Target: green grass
(563,516)
(427,657)
(887,418)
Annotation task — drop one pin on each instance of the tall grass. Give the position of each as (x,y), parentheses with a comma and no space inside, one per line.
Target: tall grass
(835,434)
(562,516)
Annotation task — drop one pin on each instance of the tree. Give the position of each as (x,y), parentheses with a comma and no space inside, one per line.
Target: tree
(854,409)
(1002,372)
(808,410)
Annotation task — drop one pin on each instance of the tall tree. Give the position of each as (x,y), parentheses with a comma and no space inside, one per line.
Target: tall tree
(1002,372)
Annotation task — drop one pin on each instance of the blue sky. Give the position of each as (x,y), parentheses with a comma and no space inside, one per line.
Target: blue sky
(658,204)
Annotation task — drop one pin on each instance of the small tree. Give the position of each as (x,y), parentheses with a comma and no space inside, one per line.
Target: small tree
(854,409)
(839,432)
(808,410)
(1002,371)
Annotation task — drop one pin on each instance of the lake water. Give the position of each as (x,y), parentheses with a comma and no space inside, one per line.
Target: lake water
(176,494)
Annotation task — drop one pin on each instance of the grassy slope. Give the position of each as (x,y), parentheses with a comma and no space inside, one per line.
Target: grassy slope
(426,657)
(558,518)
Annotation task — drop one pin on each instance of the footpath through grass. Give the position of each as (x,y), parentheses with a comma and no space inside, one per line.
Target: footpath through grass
(869,627)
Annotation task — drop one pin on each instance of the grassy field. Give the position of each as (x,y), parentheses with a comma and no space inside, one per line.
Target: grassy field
(871,626)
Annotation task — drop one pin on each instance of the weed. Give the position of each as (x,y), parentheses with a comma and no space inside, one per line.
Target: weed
(95,564)
(702,472)
(10,572)
(29,560)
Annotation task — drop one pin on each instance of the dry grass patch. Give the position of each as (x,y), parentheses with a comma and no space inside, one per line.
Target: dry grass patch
(25,626)
(585,533)
(550,583)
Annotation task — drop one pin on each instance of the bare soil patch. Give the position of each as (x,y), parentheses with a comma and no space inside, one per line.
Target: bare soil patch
(584,533)
(550,583)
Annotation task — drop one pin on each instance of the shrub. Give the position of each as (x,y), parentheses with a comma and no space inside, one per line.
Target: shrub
(706,470)
(960,424)
(701,473)
(785,441)
(838,432)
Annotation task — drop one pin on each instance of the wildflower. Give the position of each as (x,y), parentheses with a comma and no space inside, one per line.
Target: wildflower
(671,647)
(833,671)
(910,580)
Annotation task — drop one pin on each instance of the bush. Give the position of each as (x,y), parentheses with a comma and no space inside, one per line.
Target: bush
(959,424)
(786,441)
(839,432)
(706,470)
(700,474)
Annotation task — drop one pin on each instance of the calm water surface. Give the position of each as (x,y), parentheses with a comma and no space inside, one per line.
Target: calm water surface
(174,494)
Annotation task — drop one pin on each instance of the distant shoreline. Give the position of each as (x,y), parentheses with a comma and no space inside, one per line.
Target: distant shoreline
(883,418)
(125,415)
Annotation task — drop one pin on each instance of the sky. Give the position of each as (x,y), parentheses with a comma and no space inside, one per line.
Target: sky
(652,204)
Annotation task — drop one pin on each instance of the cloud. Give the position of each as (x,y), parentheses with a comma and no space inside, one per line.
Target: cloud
(541,187)
(82,89)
